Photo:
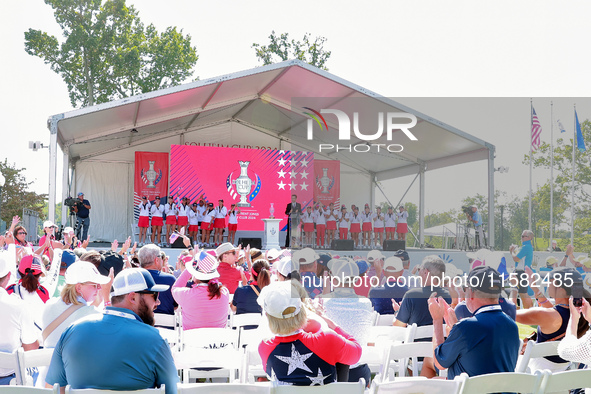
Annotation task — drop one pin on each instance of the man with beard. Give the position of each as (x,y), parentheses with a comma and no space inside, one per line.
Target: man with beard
(120,350)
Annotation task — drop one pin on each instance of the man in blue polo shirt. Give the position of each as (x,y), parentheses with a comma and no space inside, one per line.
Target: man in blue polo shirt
(119,350)
(393,288)
(486,343)
(527,254)
(151,260)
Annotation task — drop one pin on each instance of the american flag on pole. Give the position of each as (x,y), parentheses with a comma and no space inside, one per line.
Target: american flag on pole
(536,131)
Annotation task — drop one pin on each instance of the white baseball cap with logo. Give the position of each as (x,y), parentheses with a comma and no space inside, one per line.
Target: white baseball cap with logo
(280,300)
(133,280)
(344,268)
(48,224)
(393,264)
(82,272)
(374,255)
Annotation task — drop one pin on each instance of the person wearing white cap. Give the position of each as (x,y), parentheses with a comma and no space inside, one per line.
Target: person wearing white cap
(305,259)
(381,297)
(229,274)
(284,269)
(350,311)
(203,299)
(119,350)
(375,258)
(296,357)
(80,297)
(48,232)
(17,328)
(272,255)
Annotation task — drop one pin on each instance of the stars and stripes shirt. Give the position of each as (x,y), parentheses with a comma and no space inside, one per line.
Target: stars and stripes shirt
(308,359)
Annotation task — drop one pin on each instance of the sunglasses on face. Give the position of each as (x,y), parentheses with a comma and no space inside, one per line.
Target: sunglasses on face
(232,252)
(21,233)
(152,293)
(95,285)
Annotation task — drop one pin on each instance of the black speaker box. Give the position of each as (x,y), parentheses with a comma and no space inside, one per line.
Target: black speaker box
(178,244)
(342,244)
(394,245)
(253,242)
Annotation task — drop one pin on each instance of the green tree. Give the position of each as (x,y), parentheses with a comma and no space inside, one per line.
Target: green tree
(281,48)
(108,53)
(16,194)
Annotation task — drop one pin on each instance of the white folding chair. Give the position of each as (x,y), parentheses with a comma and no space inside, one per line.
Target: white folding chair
(224,388)
(32,390)
(513,382)
(70,390)
(164,320)
(536,350)
(209,348)
(398,355)
(417,385)
(380,334)
(245,319)
(252,365)
(567,380)
(31,359)
(384,320)
(333,388)
(10,361)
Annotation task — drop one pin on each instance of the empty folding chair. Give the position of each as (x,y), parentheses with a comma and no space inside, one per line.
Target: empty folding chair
(224,388)
(10,361)
(333,388)
(70,390)
(565,381)
(535,350)
(418,386)
(29,390)
(37,358)
(512,382)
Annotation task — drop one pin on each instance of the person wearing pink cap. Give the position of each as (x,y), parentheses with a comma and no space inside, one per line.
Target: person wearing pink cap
(204,301)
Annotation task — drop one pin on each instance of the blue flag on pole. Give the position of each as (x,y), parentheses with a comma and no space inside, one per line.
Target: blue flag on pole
(580,140)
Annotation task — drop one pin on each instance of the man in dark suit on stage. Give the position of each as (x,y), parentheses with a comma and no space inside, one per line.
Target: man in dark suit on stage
(293,211)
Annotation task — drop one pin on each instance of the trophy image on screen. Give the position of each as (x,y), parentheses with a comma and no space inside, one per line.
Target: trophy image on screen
(325,181)
(243,184)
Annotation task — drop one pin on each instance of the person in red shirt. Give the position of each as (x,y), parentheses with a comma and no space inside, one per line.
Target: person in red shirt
(230,275)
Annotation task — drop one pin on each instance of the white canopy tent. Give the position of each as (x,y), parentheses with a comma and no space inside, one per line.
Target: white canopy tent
(248,108)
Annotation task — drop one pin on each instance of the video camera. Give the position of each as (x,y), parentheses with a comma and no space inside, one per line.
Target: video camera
(467,210)
(70,202)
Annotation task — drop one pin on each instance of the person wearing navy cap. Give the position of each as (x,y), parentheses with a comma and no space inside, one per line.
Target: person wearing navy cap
(486,343)
(120,350)
(82,209)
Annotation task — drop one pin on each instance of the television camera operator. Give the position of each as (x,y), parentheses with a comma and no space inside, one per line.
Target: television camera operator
(82,209)
(475,217)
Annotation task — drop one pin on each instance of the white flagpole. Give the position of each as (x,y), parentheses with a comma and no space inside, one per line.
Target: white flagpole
(572,196)
(551,173)
(531,152)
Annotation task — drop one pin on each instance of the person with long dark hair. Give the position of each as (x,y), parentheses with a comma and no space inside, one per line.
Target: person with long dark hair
(24,247)
(245,297)
(198,291)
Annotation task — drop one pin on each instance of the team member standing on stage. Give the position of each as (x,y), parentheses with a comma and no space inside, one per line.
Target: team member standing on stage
(366,227)
(402,227)
(157,211)
(183,215)
(331,216)
(193,215)
(378,227)
(207,224)
(232,223)
(201,208)
(320,221)
(343,223)
(308,223)
(170,212)
(144,220)
(355,225)
(219,223)
(390,223)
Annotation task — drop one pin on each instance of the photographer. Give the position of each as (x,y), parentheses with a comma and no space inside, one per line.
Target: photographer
(82,209)
(476,218)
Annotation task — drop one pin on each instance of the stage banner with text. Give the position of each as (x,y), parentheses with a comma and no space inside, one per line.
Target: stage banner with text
(327,182)
(151,177)
(256,180)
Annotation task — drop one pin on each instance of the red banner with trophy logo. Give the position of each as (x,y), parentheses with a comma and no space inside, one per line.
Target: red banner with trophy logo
(151,177)
(327,182)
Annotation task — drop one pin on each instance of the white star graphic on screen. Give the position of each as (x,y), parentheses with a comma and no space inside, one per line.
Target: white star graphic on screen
(282,161)
(282,173)
(293,162)
(281,152)
(293,186)
(281,185)
(304,186)
(293,174)
(319,379)
(304,163)
(296,360)
(304,174)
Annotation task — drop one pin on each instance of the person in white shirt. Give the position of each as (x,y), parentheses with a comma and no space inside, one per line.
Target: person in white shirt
(366,227)
(390,223)
(331,216)
(320,221)
(308,221)
(17,328)
(402,227)
(144,220)
(157,211)
(183,215)
(343,223)
(170,211)
(378,227)
(232,223)
(207,224)
(355,225)
(193,215)
(219,223)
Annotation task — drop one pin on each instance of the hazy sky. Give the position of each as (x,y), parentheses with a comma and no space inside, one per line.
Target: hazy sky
(397,49)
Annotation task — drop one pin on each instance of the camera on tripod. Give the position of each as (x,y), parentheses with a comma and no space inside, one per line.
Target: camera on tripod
(467,210)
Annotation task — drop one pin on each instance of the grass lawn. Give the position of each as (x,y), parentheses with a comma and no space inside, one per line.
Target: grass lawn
(525,330)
